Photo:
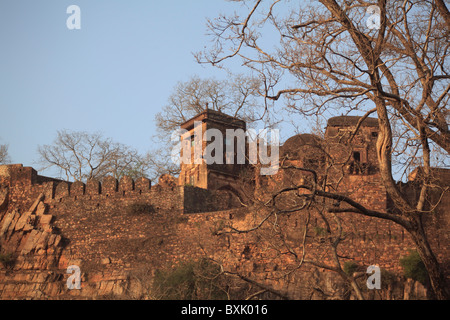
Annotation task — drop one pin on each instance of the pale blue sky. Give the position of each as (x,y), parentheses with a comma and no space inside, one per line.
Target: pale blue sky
(111,76)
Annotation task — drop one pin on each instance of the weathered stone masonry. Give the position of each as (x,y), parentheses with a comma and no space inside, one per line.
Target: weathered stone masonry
(47,225)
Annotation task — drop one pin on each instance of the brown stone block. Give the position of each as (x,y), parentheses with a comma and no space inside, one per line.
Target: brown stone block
(41,243)
(22,221)
(41,208)
(109,186)
(31,241)
(62,190)
(8,221)
(142,185)
(4,196)
(53,289)
(93,187)
(40,277)
(21,277)
(45,219)
(126,184)
(29,226)
(77,188)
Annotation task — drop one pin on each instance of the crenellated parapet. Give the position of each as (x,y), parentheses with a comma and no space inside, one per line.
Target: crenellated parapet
(93,187)
(127,184)
(24,184)
(109,187)
(142,185)
(77,188)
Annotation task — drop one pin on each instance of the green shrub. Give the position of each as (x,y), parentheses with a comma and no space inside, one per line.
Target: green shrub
(194,280)
(6,259)
(320,232)
(413,267)
(217,227)
(139,208)
(350,267)
(387,278)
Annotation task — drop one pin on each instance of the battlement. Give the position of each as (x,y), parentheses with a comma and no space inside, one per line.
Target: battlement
(109,187)
(25,184)
(17,174)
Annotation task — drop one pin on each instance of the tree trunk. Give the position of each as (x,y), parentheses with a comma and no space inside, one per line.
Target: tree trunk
(358,292)
(414,222)
(436,276)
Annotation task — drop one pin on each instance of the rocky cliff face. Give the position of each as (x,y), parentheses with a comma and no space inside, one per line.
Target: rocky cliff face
(31,249)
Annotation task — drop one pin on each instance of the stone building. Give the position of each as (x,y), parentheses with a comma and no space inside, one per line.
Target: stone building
(224,173)
(115,231)
(346,159)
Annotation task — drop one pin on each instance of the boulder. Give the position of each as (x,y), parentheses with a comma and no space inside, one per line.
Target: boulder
(41,209)
(7,221)
(4,195)
(45,220)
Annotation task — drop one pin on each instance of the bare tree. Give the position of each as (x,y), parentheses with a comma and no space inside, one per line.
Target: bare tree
(327,59)
(159,161)
(4,156)
(81,156)
(237,96)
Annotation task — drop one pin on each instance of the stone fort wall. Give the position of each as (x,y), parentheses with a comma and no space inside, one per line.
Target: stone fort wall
(48,225)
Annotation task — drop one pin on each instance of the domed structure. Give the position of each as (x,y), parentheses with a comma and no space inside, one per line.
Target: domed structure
(295,147)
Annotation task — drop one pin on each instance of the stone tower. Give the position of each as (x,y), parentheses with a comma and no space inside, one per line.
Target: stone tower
(355,168)
(197,172)
(358,150)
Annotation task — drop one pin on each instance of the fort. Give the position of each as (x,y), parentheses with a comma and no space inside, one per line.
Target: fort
(119,232)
